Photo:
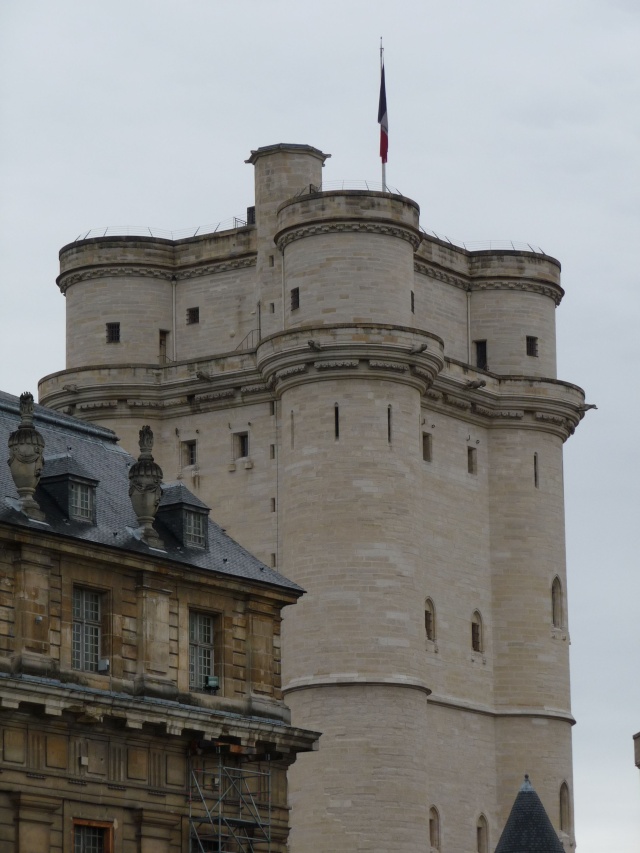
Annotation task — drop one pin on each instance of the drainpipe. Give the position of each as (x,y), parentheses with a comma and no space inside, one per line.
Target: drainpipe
(173,324)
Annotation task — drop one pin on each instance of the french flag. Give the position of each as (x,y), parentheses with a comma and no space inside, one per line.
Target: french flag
(383,120)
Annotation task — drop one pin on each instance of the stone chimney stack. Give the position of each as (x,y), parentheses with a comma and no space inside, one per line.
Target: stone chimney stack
(145,479)
(26,462)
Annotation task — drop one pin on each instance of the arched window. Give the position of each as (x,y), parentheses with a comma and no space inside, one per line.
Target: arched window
(565,808)
(429,619)
(434,829)
(557,603)
(477,642)
(482,835)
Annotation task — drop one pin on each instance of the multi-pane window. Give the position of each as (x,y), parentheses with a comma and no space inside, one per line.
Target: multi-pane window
(532,346)
(201,649)
(92,836)
(295,298)
(88,839)
(195,529)
(113,333)
(193,316)
(81,504)
(87,627)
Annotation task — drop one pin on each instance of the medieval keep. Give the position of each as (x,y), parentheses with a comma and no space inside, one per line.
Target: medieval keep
(376,413)
(140,699)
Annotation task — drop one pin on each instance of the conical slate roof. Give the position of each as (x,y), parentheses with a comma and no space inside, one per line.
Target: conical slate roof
(528,829)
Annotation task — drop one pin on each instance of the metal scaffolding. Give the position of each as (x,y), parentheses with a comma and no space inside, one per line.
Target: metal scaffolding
(229,800)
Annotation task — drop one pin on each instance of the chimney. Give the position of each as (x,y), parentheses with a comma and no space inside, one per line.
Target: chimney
(26,447)
(145,479)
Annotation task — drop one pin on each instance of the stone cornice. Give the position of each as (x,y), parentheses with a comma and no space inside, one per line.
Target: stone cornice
(472,285)
(347,226)
(174,717)
(338,680)
(461,705)
(66,279)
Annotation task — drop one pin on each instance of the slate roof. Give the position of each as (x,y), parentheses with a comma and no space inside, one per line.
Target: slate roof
(528,828)
(76,447)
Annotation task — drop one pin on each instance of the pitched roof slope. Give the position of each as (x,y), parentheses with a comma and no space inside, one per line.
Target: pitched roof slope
(83,449)
(528,829)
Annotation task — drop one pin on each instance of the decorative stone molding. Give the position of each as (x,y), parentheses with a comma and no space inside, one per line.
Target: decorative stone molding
(553,419)
(216,395)
(426,269)
(554,292)
(465,405)
(100,404)
(66,279)
(291,371)
(434,395)
(335,365)
(347,227)
(388,365)
(498,413)
(254,389)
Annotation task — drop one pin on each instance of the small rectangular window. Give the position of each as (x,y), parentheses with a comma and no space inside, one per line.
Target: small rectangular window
(295,298)
(273,504)
(272,307)
(336,421)
(201,649)
(86,629)
(272,451)
(113,333)
(532,346)
(241,445)
(271,260)
(273,561)
(427,446)
(163,341)
(81,505)
(413,302)
(193,316)
(272,407)
(472,460)
(389,424)
(195,529)
(189,452)
(481,354)
(536,476)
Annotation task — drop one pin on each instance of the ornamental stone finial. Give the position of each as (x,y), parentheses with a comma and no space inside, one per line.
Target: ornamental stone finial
(145,480)
(26,447)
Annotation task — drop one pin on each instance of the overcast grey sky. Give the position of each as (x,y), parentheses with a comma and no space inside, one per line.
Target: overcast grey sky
(511,119)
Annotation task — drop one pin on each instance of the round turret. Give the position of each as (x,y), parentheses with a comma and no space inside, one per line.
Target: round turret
(348,257)
(512,312)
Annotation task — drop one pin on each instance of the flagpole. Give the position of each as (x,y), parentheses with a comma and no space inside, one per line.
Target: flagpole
(384,165)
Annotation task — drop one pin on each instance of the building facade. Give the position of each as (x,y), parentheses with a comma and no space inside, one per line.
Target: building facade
(141,706)
(375,412)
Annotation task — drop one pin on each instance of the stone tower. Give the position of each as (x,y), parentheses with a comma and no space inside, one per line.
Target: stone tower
(376,412)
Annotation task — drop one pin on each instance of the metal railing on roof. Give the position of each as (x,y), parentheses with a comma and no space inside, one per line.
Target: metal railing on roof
(161,233)
(347,184)
(486,245)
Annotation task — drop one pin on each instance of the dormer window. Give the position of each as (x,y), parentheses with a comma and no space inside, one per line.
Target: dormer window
(71,487)
(81,503)
(184,516)
(195,529)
